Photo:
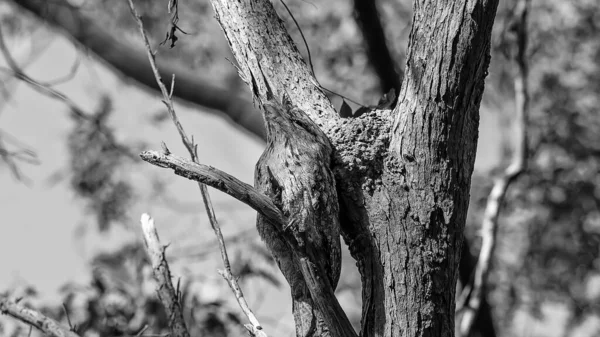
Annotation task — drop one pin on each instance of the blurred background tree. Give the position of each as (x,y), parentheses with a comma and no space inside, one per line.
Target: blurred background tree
(545,270)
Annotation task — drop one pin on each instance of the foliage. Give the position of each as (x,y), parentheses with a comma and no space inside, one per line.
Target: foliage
(96,158)
(121,300)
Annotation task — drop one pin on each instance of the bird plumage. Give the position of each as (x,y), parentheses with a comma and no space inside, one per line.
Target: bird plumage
(294,171)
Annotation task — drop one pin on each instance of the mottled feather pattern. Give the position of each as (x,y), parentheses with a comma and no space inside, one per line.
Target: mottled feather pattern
(294,171)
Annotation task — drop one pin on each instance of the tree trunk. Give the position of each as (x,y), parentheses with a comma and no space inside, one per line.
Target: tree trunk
(402,176)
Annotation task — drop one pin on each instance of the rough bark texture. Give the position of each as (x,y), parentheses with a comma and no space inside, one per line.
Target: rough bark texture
(263,49)
(418,214)
(402,176)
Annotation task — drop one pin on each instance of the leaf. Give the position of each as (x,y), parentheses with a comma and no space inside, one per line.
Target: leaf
(345,110)
(361,111)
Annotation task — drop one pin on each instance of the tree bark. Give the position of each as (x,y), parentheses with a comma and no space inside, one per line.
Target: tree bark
(132,62)
(403,177)
(418,214)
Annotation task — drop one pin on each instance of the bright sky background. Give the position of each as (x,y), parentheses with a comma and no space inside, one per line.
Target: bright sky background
(38,244)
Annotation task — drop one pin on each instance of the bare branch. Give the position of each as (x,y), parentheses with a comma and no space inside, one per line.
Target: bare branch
(274,59)
(217,179)
(484,322)
(254,328)
(367,17)
(160,268)
(16,71)
(35,319)
(470,300)
(128,60)
(69,76)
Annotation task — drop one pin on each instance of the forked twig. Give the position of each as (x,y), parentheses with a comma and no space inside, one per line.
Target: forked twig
(162,274)
(16,72)
(254,328)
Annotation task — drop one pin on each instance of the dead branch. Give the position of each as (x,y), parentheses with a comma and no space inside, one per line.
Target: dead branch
(217,179)
(255,327)
(484,322)
(324,295)
(34,318)
(160,269)
(470,300)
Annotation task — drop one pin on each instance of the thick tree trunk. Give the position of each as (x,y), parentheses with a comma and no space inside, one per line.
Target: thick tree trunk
(418,213)
(402,176)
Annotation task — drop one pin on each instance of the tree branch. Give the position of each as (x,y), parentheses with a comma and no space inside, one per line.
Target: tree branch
(35,319)
(323,295)
(484,321)
(16,71)
(367,17)
(164,288)
(473,294)
(255,328)
(273,58)
(130,61)
(218,179)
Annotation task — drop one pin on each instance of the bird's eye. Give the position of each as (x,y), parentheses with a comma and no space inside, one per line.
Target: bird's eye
(302,124)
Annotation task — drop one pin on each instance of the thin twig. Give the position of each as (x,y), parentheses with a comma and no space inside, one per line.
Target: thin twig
(310,62)
(34,318)
(255,328)
(312,68)
(69,76)
(16,71)
(160,268)
(469,302)
(22,154)
(45,89)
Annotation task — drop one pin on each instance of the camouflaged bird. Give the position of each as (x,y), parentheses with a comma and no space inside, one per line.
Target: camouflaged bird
(294,171)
